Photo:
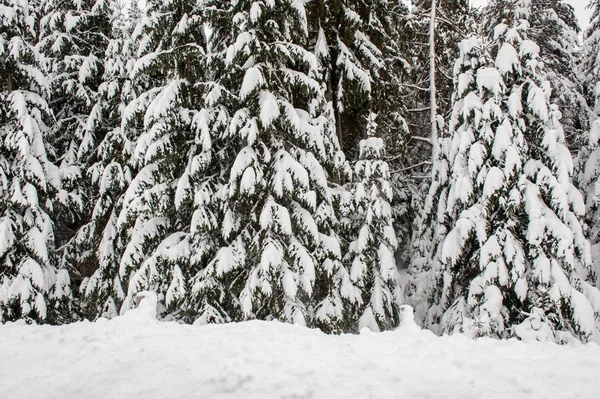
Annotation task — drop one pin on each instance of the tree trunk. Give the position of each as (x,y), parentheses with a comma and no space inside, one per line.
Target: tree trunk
(432,86)
(336,113)
(9,82)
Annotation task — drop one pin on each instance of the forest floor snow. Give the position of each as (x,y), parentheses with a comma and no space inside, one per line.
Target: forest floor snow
(136,356)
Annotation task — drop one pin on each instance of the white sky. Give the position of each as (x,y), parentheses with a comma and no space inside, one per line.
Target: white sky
(582,13)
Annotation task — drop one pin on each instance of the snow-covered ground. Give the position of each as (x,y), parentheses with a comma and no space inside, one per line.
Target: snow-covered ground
(136,356)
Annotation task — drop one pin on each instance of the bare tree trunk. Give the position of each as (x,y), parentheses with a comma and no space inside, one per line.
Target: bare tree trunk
(336,113)
(338,127)
(333,82)
(9,82)
(432,85)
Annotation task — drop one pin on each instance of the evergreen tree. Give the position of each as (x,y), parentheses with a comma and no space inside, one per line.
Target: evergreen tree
(514,245)
(455,21)
(589,157)
(371,255)
(589,68)
(74,37)
(429,98)
(554,28)
(170,161)
(430,229)
(31,187)
(281,257)
(106,148)
(361,46)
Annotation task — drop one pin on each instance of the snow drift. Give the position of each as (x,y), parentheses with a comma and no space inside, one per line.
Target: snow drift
(137,356)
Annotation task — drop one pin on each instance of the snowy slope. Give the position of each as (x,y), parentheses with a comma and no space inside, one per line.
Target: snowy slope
(135,356)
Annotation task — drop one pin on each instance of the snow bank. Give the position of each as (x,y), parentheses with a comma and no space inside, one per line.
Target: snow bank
(136,356)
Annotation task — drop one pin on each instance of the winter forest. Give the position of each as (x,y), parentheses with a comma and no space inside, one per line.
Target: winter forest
(320,163)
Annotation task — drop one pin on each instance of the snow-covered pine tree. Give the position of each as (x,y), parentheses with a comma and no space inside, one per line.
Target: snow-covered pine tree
(281,258)
(429,230)
(589,156)
(96,249)
(361,46)
(74,37)
(173,158)
(31,286)
(370,257)
(209,300)
(554,28)
(589,66)
(387,27)
(514,257)
(590,50)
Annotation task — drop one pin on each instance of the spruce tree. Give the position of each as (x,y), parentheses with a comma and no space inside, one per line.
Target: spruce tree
(74,37)
(31,186)
(514,249)
(554,28)
(429,92)
(170,162)
(281,258)
(429,230)
(362,48)
(454,21)
(106,149)
(371,254)
(589,157)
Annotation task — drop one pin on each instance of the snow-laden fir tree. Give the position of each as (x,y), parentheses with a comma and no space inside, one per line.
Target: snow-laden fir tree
(429,231)
(180,266)
(590,66)
(557,32)
(430,103)
(74,36)
(96,249)
(554,28)
(370,257)
(31,286)
(361,46)
(281,258)
(589,157)
(514,261)
(172,162)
